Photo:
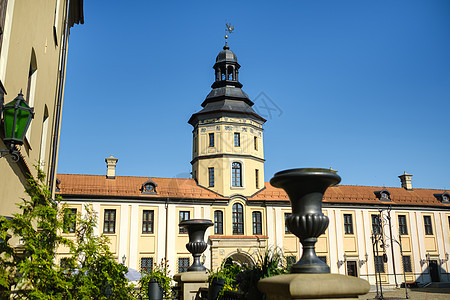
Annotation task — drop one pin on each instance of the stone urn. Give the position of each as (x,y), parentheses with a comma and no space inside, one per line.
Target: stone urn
(196,230)
(305,188)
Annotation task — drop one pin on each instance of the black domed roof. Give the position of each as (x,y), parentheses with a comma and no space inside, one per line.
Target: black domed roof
(226,55)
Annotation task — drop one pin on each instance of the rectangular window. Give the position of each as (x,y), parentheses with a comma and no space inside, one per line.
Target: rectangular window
(257,222)
(184,215)
(323,258)
(70,224)
(428,225)
(146,264)
(237,139)
(183,264)
(286,229)
(211,139)
(211,176)
(348,224)
(147,221)
(109,221)
(64,263)
(255,143)
(379,264)
(402,227)
(407,267)
(376,224)
(257,178)
(218,222)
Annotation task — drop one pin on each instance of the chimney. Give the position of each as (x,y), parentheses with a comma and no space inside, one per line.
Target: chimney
(111,167)
(405,178)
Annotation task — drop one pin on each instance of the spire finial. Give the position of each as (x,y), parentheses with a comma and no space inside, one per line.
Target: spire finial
(228,28)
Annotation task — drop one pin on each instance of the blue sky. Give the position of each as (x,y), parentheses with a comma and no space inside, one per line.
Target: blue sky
(359,86)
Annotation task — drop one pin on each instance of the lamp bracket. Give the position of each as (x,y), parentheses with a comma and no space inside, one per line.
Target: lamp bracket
(15,155)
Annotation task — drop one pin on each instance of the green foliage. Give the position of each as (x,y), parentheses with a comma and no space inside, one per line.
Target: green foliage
(94,272)
(161,273)
(244,278)
(30,268)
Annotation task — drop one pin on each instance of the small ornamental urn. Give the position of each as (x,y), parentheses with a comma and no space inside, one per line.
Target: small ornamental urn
(196,229)
(305,188)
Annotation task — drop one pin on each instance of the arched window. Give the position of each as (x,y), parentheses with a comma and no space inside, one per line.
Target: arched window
(236,174)
(218,222)
(257,222)
(238,219)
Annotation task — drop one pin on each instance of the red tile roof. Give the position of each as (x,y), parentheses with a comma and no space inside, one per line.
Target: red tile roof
(127,186)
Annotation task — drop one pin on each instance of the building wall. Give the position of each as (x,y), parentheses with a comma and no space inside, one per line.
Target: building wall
(32,40)
(336,246)
(220,156)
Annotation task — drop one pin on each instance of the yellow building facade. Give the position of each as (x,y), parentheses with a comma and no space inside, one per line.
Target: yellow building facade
(33,51)
(141,215)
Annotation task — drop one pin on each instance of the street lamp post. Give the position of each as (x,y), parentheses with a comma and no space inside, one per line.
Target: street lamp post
(17,117)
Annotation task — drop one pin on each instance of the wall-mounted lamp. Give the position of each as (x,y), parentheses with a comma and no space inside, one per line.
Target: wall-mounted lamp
(363,261)
(124,259)
(17,117)
(443,260)
(424,261)
(341,262)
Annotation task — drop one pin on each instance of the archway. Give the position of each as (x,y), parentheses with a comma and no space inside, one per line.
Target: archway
(242,258)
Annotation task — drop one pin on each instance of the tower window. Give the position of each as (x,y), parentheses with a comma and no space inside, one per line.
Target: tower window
(218,222)
(348,224)
(211,139)
(257,178)
(236,174)
(255,143)
(257,222)
(238,219)
(211,176)
(237,139)
(184,215)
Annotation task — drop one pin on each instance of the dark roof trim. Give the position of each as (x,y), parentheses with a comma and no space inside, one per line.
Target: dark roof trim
(76,14)
(226,156)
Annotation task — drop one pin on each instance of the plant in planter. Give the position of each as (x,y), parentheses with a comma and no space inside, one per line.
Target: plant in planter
(157,282)
(216,280)
(271,262)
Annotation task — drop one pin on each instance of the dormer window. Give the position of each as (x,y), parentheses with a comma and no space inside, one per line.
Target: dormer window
(383,195)
(149,188)
(444,197)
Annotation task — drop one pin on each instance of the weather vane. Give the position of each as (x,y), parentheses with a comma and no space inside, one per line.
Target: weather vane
(228,28)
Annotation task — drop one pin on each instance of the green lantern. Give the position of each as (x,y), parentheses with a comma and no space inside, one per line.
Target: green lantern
(17,117)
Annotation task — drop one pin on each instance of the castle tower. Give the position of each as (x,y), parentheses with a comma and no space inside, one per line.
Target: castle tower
(228,155)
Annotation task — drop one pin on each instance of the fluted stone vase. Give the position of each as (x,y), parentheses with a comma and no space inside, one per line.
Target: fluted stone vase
(196,230)
(305,188)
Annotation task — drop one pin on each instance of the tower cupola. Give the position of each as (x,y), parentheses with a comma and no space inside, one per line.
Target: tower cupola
(227,69)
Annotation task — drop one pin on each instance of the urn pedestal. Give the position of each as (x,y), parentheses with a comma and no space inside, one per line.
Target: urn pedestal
(305,188)
(196,230)
(309,278)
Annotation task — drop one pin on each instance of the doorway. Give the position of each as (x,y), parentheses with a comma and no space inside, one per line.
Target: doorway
(352,270)
(434,271)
